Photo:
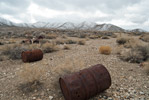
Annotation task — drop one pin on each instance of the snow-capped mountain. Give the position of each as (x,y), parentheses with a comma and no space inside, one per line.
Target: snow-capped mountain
(138,30)
(108,27)
(70,25)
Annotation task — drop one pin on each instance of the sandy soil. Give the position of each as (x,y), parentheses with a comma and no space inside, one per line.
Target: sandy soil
(129,82)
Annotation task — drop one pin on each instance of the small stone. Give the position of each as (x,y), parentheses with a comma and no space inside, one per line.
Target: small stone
(109,98)
(34,98)
(48,89)
(105,97)
(142,99)
(142,93)
(50,97)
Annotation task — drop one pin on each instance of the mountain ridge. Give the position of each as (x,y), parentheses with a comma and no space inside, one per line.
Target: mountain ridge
(70,25)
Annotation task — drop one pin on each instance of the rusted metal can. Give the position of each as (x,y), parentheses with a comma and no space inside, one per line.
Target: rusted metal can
(31,56)
(86,83)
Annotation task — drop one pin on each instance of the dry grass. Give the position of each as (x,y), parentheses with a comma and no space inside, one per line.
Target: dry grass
(33,46)
(68,66)
(105,50)
(81,42)
(132,43)
(49,47)
(31,73)
(31,77)
(51,36)
(137,54)
(59,42)
(94,36)
(13,51)
(70,41)
(82,35)
(66,47)
(145,37)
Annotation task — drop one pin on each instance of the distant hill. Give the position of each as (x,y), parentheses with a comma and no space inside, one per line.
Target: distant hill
(69,25)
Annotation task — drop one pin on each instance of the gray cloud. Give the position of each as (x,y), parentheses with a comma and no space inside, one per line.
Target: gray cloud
(13,6)
(124,13)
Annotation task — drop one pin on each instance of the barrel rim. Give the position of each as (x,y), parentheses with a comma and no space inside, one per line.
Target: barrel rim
(67,97)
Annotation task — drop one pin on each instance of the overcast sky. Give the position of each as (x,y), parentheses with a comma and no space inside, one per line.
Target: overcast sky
(127,14)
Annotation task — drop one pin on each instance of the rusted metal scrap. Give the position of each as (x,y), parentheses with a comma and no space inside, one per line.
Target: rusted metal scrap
(31,56)
(86,83)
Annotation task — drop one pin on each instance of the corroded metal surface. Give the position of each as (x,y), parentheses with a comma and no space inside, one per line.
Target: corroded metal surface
(31,56)
(86,83)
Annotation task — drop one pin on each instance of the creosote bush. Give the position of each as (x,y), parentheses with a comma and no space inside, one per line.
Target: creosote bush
(70,42)
(105,37)
(13,51)
(49,47)
(81,42)
(105,50)
(136,55)
(121,41)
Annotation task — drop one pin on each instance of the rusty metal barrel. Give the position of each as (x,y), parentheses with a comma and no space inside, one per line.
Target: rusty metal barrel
(86,83)
(31,56)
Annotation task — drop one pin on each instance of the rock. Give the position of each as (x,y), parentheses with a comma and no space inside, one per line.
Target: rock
(109,98)
(50,97)
(105,97)
(142,93)
(34,98)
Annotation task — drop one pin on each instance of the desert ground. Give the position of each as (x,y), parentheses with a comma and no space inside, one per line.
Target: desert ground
(39,80)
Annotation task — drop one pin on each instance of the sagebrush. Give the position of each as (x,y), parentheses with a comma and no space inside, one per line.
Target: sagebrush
(105,50)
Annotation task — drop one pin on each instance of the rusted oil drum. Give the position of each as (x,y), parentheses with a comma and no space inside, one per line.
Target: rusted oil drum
(31,56)
(86,83)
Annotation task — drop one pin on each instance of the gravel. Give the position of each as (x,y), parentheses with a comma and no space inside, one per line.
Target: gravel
(129,82)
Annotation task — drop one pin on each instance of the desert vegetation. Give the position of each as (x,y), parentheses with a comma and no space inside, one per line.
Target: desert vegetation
(66,52)
(105,50)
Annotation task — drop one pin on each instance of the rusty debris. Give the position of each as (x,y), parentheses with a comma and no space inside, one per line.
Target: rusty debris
(86,83)
(31,56)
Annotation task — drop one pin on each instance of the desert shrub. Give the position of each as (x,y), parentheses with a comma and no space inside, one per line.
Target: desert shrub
(13,51)
(105,50)
(2,57)
(121,41)
(81,42)
(94,36)
(82,36)
(145,66)
(43,41)
(64,37)
(66,47)
(132,43)
(33,46)
(31,77)
(145,38)
(105,37)
(51,36)
(59,42)
(49,47)
(114,36)
(137,54)
(70,42)
(31,73)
